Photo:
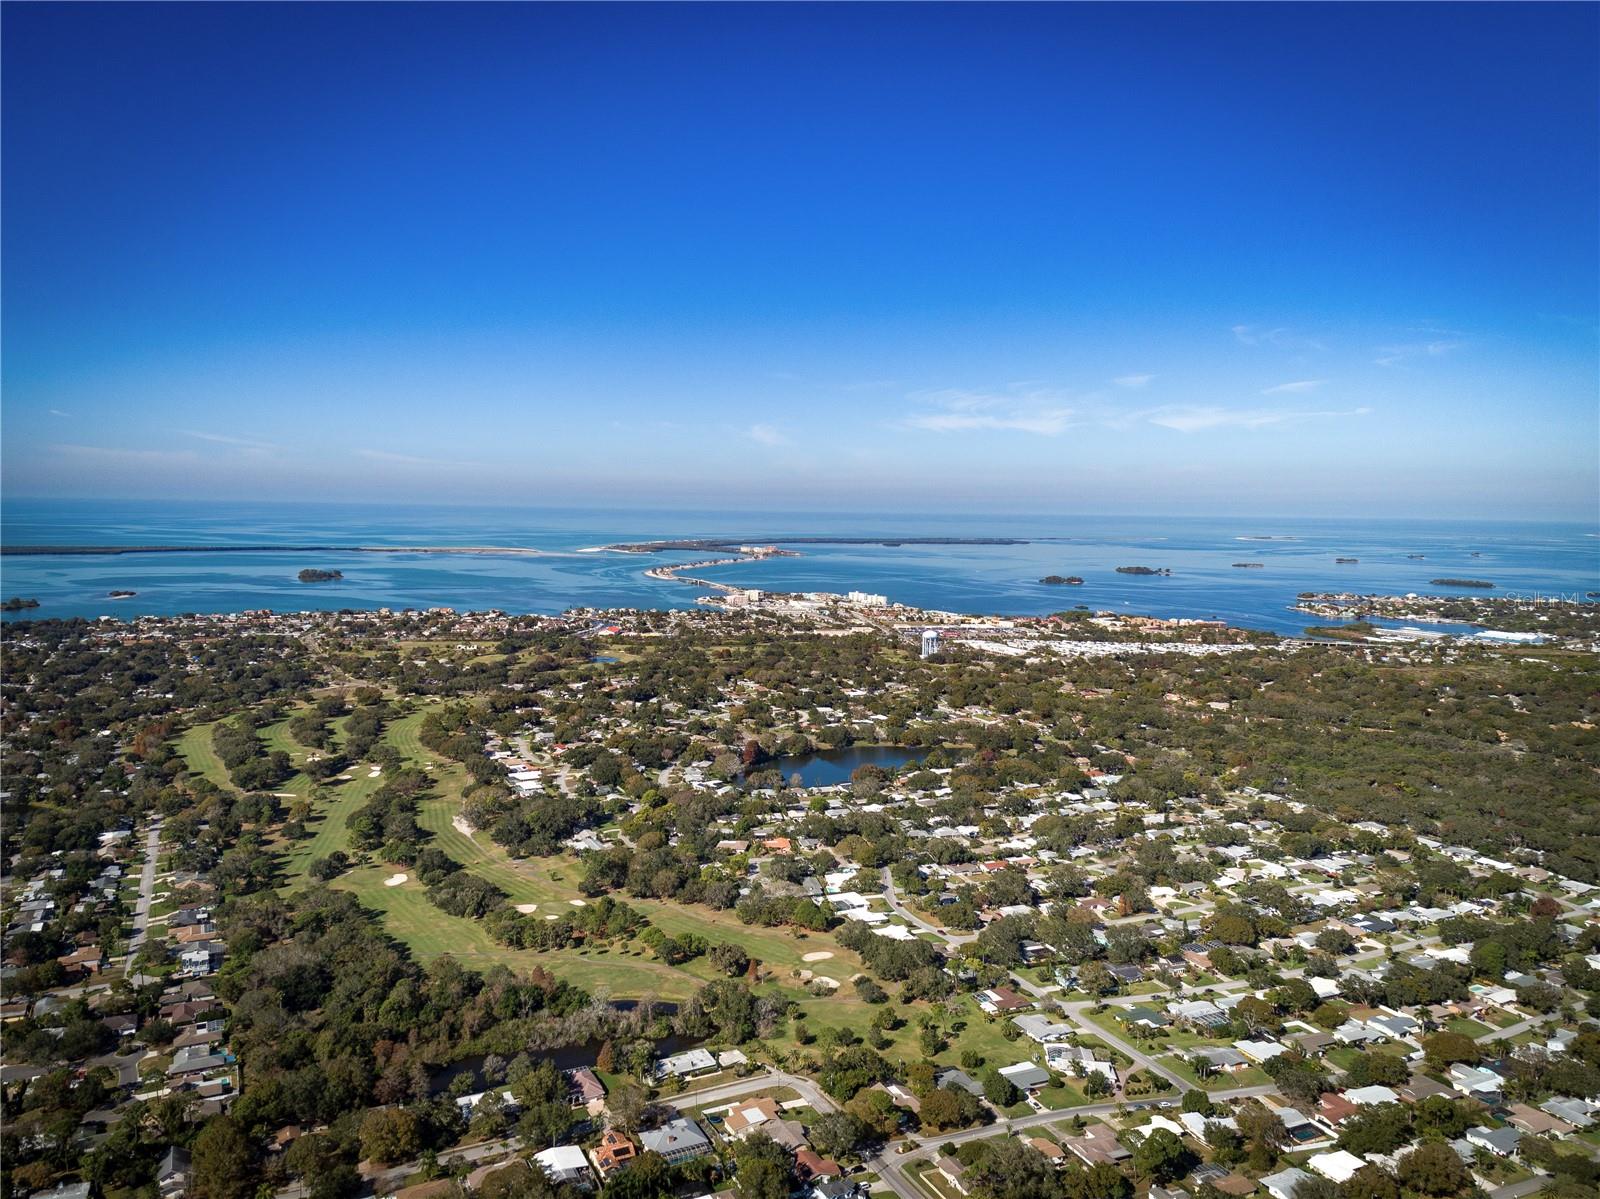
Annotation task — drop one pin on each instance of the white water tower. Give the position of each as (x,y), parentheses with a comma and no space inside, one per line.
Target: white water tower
(930,642)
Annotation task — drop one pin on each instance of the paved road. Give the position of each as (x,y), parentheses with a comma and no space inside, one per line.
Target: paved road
(1516,1190)
(892,1166)
(898,905)
(147,890)
(385,1181)
(1512,1030)
(904,912)
(1075,1013)
(723,1092)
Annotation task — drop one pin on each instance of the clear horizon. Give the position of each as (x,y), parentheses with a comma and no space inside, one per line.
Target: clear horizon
(103,503)
(1335,261)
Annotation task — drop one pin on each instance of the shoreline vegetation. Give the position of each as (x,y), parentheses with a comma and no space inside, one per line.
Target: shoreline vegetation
(770,544)
(1548,616)
(18,604)
(1483,584)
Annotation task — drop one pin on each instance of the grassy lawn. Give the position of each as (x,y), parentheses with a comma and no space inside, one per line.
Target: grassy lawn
(551,884)
(1064,1094)
(1170,1037)
(933,1182)
(328,824)
(544,881)
(1345,1056)
(277,736)
(429,933)
(1250,1076)
(1467,1027)
(195,747)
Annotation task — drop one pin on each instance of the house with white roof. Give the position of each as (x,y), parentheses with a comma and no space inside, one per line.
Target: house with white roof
(566,1164)
(1340,1165)
(1260,1051)
(1371,1096)
(1283,1184)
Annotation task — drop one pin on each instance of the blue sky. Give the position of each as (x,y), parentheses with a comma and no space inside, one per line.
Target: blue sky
(1293,259)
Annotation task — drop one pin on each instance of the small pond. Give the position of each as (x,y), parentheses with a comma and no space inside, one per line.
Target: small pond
(829,766)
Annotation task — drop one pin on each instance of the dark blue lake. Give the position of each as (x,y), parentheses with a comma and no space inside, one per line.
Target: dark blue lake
(829,766)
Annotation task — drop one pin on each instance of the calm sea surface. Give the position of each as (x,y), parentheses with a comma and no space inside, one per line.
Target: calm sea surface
(1517,557)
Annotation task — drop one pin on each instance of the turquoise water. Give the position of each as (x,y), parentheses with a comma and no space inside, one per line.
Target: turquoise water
(1519,557)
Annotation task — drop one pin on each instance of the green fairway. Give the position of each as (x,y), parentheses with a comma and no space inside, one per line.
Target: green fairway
(194,746)
(551,884)
(429,933)
(329,830)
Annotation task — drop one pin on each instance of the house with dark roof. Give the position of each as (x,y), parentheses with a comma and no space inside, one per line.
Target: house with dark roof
(172,1175)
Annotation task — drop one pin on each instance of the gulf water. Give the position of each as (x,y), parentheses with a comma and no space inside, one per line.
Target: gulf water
(1519,557)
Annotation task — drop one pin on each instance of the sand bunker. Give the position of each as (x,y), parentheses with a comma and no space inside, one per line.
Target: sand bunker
(820,955)
(578,903)
(394,880)
(822,980)
(527,908)
(459,823)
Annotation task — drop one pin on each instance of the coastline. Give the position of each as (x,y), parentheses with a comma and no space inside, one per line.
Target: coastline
(505,564)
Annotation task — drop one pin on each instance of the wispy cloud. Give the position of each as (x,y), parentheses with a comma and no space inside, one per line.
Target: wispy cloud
(244,443)
(1198,418)
(1279,338)
(765,435)
(1133,381)
(1026,410)
(411,459)
(58,412)
(121,455)
(1395,355)
(1299,387)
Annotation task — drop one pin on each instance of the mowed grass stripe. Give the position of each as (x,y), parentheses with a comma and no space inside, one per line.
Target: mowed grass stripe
(330,819)
(195,747)
(525,881)
(332,831)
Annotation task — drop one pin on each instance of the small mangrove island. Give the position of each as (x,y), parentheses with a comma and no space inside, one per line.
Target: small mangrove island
(1248,565)
(17,604)
(1144,570)
(121,593)
(1347,561)
(1063,580)
(312,575)
(1480,583)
